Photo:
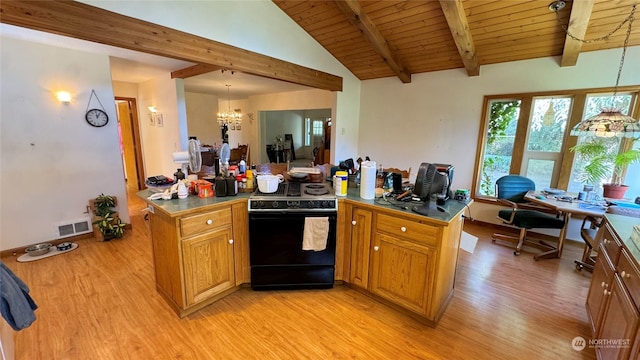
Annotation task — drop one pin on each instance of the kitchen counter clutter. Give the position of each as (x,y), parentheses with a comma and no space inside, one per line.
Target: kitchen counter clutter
(401,258)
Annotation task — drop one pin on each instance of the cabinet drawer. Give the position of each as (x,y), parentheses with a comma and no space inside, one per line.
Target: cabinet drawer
(408,229)
(629,275)
(207,221)
(611,246)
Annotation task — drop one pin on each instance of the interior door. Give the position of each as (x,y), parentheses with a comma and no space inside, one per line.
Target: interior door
(130,147)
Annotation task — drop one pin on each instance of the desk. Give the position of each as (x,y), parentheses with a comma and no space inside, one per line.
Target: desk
(566,209)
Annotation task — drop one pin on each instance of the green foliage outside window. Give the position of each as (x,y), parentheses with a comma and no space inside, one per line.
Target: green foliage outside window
(499,147)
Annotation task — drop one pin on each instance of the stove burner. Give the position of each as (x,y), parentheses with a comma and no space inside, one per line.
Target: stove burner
(293,189)
(316,190)
(315,186)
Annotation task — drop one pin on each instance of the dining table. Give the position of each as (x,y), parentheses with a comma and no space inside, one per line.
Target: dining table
(565,205)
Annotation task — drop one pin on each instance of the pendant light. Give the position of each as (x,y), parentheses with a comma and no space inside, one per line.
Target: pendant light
(229,117)
(610,121)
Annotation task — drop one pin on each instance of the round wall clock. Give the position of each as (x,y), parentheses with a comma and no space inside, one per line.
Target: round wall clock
(96,117)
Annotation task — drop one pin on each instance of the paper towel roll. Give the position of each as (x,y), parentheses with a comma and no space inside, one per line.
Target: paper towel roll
(368,180)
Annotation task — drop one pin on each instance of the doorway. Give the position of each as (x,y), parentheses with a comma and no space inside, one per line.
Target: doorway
(130,146)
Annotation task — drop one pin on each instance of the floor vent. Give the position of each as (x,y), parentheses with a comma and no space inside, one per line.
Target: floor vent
(76,227)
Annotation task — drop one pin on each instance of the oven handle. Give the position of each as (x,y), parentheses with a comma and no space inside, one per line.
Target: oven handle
(278,215)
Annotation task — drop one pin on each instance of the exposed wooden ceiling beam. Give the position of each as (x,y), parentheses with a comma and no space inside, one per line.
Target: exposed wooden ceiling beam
(77,20)
(194,70)
(356,15)
(578,23)
(459,27)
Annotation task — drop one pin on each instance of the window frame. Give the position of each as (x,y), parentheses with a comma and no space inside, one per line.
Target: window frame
(575,116)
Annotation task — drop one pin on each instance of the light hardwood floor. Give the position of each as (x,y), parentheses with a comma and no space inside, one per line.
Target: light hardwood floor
(100,302)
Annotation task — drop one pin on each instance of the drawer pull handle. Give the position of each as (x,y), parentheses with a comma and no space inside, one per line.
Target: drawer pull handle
(353,222)
(209,222)
(604,285)
(403,229)
(376,248)
(230,241)
(607,292)
(625,274)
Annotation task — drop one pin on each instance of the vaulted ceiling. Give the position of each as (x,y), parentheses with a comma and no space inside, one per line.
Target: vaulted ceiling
(376,39)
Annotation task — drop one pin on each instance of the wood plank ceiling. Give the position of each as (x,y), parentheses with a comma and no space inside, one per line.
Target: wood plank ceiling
(376,39)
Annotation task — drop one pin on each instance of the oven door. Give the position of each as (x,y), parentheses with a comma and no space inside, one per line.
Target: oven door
(276,255)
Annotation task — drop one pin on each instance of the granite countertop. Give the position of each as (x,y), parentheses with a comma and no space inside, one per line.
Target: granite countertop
(623,226)
(178,207)
(452,207)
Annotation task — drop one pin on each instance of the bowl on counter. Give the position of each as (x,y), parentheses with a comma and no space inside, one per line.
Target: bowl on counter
(39,249)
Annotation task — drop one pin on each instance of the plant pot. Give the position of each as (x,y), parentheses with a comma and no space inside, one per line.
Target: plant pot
(612,191)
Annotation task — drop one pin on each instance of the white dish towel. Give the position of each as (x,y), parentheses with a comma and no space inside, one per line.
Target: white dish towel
(316,232)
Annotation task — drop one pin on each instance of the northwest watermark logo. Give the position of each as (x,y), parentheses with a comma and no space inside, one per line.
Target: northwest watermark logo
(579,343)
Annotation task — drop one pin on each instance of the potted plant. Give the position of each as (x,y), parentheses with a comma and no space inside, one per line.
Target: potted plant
(107,223)
(602,161)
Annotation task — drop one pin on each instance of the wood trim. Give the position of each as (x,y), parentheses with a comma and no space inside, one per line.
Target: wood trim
(570,141)
(356,16)
(621,89)
(459,27)
(578,23)
(194,70)
(135,126)
(76,20)
(519,147)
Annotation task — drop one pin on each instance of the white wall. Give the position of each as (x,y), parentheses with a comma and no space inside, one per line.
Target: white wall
(436,118)
(262,27)
(52,161)
(160,142)
(201,117)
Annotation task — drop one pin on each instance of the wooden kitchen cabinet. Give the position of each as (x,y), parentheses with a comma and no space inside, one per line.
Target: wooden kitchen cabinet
(601,280)
(614,294)
(403,259)
(208,265)
(360,225)
(402,272)
(196,255)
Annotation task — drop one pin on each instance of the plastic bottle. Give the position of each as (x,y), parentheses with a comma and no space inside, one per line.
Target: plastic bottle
(179,175)
(242,166)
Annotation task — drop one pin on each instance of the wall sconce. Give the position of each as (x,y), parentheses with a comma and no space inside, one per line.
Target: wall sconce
(64,97)
(152,109)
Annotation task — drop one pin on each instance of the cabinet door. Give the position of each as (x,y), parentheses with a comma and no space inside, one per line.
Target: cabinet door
(360,244)
(619,323)
(600,282)
(402,272)
(208,265)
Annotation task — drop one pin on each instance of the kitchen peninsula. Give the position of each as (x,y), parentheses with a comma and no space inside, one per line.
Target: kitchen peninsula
(406,260)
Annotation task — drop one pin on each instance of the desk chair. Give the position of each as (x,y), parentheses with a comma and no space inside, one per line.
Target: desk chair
(588,233)
(510,190)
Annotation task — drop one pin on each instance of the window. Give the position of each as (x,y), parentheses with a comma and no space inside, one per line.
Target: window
(528,134)
(307,131)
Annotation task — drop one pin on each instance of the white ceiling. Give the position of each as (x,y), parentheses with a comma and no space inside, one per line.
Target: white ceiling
(136,67)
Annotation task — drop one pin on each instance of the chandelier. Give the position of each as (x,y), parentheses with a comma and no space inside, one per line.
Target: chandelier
(610,121)
(230,117)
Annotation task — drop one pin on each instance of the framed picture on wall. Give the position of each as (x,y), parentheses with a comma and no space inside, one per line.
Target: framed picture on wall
(232,126)
(238,127)
(152,119)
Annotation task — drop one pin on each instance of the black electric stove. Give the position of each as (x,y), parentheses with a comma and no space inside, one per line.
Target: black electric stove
(295,196)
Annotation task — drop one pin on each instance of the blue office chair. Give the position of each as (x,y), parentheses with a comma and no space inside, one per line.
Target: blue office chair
(510,190)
